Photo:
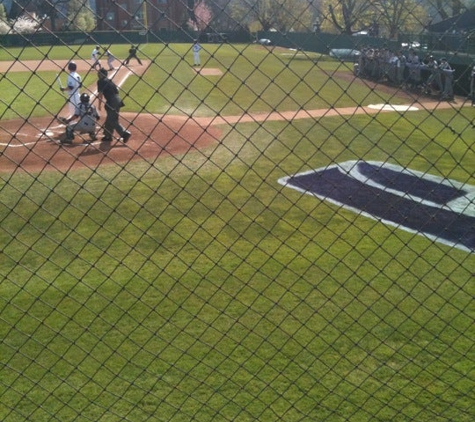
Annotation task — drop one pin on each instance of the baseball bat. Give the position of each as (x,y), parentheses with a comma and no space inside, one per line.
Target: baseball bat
(58,79)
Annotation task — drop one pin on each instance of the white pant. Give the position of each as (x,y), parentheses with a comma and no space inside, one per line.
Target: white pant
(196,57)
(73,103)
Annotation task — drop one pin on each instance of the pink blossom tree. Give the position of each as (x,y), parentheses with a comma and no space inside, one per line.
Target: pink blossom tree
(202,16)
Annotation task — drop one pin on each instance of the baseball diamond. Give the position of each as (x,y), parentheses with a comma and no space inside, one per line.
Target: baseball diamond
(153,135)
(279,239)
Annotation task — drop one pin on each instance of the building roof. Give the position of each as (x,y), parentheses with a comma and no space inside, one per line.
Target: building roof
(464,21)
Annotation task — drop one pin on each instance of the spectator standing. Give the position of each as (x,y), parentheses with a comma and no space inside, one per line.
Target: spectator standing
(108,91)
(132,55)
(196,53)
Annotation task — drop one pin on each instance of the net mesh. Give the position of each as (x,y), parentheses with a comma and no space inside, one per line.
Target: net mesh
(272,219)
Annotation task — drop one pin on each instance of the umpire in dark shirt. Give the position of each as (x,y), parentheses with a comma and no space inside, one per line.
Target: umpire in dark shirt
(108,91)
(132,55)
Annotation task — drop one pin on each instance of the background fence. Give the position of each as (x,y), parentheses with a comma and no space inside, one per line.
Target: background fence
(281,239)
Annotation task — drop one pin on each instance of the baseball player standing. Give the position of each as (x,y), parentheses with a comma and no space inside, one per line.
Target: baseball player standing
(448,73)
(413,63)
(96,64)
(196,53)
(110,59)
(435,75)
(72,87)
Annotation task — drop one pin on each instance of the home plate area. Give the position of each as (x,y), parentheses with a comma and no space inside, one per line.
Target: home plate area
(35,145)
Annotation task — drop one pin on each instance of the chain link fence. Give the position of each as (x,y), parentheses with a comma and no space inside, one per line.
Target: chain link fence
(287,234)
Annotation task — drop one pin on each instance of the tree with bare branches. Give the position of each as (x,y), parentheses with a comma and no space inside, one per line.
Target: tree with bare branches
(281,15)
(347,16)
(401,15)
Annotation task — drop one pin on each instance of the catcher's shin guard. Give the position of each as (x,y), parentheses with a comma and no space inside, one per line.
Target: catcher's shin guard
(69,134)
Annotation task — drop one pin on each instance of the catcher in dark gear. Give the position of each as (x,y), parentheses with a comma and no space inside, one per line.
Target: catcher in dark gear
(87,115)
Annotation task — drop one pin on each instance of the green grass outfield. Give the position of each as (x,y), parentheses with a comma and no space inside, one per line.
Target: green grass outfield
(254,79)
(198,288)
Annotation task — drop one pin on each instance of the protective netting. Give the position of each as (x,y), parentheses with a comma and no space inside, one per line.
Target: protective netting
(279,227)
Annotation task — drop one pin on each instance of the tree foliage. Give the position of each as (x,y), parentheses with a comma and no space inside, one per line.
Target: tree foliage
(25,25)
(391,16)
(281,15)
(401,16)
(347,16)
(223,19)
(202,16)
(80,16)
(52,9)
(293,15)
(3,13)
(4,27)
(21,25)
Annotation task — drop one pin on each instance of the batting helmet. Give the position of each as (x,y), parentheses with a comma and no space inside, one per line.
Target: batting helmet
(72,66)
(84,98)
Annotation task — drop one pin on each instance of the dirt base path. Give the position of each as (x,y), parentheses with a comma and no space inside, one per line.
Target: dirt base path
(34,145)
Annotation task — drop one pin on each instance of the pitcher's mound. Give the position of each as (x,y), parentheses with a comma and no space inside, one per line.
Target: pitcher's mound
(208,71)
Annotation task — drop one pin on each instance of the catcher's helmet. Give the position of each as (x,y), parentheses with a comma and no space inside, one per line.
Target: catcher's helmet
(84,98)
(72,66)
